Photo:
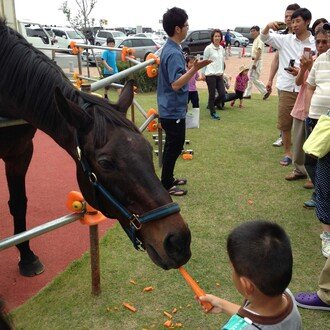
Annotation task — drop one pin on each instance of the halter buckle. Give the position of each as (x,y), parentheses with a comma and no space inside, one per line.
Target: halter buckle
(135,222)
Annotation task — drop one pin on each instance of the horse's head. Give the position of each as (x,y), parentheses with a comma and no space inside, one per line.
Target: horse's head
(116,175)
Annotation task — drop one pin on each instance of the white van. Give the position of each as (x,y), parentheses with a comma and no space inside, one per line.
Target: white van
(64,36)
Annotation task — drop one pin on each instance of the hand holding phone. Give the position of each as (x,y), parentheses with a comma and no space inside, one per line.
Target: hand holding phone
(307,52)
(291,65)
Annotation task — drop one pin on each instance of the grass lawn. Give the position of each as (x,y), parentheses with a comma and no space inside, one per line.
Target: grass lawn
(234,176)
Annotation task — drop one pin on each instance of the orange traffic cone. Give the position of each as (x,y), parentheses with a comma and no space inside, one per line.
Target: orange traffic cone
(243,52)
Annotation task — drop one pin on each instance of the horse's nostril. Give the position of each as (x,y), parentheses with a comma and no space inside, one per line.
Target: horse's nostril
(178,246)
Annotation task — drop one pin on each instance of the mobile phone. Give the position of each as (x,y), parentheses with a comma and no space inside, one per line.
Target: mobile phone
(281,25)
(291,65)
(307,52)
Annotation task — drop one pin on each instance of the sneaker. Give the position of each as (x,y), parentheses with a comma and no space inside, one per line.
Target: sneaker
(325,237)
(278,142)
(310,204)
(266,96)
(310,300)
(214,115)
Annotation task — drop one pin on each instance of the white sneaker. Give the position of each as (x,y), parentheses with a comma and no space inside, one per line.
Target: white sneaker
(278,142)
(325,244)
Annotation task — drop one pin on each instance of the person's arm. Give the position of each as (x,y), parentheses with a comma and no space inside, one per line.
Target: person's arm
(308,97)
(220,305)
(109,68)
(273,69)
(184,79)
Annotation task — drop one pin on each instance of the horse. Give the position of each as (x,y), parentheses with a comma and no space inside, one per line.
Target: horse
(114,165)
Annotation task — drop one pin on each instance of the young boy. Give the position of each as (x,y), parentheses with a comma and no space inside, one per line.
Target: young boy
(261,259)
(109,63)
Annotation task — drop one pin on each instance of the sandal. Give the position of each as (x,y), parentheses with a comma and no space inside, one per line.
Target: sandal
(179,182)
(176,191)
(286,161)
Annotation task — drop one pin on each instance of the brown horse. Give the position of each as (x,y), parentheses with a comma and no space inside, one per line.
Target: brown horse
(115,169)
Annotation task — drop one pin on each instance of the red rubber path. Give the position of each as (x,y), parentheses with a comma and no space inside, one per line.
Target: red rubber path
(50,177)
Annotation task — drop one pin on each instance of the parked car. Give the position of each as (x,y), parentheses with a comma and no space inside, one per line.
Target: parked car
(157,38)
(102,35)
(142,48)
(237,39)
(65,35)
(245,31)
(196,41)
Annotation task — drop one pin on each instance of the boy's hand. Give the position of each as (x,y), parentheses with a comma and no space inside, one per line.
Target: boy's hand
(215,301)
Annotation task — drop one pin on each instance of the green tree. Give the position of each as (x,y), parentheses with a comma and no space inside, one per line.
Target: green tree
(79,19)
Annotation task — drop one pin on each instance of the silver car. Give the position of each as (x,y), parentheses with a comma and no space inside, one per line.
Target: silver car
(142,48)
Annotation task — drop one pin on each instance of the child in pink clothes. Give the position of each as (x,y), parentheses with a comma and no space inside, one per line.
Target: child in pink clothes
(193,93)
(240,85)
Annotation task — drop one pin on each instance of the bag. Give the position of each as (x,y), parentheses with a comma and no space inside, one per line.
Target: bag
(318,142)
(192,118)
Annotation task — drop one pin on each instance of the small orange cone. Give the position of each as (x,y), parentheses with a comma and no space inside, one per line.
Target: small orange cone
(243,52)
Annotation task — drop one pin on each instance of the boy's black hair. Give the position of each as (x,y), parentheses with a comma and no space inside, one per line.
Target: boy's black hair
(261,251)
(172,18)
(255,27)
(214,32)
(293,6)
(304,13)
(189,58)
(110,39)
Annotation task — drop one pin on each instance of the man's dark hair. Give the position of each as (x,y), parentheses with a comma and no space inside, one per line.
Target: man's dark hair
(304,13)
(320,30)
(255,27)
(110,39)
(293,6)
(261,251)
(172,18)
(214,32)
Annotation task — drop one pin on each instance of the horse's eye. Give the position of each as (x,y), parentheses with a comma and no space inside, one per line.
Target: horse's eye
(106,164)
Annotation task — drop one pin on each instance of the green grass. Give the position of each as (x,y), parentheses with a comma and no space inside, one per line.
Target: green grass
(233,162)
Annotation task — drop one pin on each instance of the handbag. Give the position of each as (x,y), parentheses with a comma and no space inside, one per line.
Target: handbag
(318,142)
(192,118)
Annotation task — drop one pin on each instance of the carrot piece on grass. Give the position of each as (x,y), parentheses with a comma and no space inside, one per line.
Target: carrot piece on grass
(174,310)
(129,307)
(196,288)
(167,315)
(132,281)
(167,324)
(148,289)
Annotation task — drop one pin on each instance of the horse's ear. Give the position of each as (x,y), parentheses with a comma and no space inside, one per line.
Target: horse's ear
(125,98)
(73,114)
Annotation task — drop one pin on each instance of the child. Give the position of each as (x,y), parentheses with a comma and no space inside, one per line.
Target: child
(193,93)
(109,63)
(240,85)
(261,260)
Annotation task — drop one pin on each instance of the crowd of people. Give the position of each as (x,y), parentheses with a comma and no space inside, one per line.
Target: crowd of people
(259,251)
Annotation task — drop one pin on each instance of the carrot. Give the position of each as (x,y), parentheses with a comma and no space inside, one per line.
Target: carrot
(167,324)
(129,307)
(148,289)
(196,288)
(167,315)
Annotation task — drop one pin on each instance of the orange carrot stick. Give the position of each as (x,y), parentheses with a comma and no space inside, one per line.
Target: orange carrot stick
(196,288)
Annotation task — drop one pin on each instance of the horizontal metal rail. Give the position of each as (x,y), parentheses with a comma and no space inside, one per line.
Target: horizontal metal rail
(39,230)
(6,122)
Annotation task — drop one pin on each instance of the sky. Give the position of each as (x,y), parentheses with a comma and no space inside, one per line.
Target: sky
(202,14)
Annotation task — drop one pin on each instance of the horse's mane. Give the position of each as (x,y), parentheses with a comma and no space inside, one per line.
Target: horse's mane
(30,78)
